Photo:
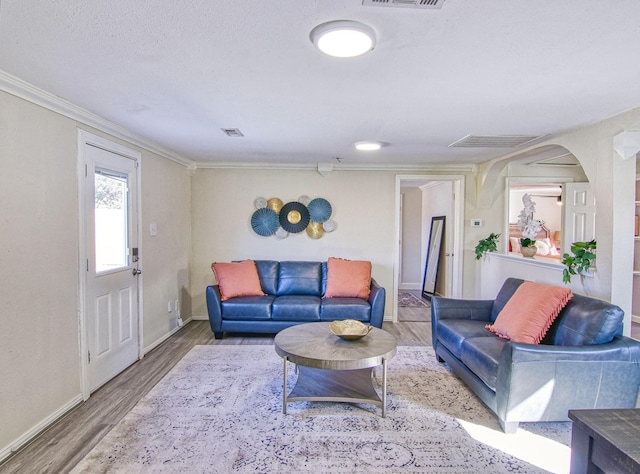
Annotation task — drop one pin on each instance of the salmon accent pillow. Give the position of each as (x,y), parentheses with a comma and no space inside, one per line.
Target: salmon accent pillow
(348,278)
(529,313)
(237,279)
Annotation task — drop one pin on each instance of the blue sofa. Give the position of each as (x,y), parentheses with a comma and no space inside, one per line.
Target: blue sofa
(293,295)
(583,362)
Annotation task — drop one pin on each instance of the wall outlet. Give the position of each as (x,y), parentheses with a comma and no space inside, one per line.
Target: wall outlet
(169,306)
(476,222)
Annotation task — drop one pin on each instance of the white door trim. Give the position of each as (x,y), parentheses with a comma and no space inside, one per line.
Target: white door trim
(458,232)
(87,138)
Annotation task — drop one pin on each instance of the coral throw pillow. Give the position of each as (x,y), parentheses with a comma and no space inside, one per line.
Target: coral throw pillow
(529,313)
(348,278)
(237,279)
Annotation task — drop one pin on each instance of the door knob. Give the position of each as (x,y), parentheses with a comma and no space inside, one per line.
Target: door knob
(136,271)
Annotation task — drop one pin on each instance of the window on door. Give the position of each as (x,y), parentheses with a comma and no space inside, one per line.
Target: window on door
(112,221)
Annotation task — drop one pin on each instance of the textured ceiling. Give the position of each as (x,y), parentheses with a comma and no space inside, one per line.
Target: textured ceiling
(176,72)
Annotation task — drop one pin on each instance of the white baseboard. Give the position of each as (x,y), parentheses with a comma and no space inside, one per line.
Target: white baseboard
(635,319)
(155,344)
(39,428)
(200,317)
(409,286)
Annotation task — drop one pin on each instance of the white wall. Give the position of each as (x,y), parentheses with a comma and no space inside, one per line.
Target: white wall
(166,202)
(412,260)
(363,209)
(39,290)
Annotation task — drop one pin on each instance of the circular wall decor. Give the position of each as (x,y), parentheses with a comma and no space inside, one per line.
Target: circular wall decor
(294,217)
(329,225)
(281,233)
(274,204)
(315,230)
(304,199)
(264,222)
(319,210)
(260,203)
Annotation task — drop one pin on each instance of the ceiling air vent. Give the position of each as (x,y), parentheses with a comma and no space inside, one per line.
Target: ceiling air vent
(233,132)
(493,141)
(422,4)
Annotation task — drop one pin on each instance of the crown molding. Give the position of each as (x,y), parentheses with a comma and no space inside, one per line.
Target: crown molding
(24,90)
(407,167)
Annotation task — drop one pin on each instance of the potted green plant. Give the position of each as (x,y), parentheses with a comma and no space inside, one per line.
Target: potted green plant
(490,244)
(582,257)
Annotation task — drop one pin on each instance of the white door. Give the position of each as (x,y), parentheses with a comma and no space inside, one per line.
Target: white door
(579,214)
(111,264)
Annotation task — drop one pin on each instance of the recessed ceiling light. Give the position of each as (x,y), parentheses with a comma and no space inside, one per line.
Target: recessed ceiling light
(343,38)
(368,146)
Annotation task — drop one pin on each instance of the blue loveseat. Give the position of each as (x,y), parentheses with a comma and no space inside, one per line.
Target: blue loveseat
(583,362)
(293,295)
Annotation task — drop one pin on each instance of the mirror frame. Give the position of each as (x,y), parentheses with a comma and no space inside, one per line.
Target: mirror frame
(433,256)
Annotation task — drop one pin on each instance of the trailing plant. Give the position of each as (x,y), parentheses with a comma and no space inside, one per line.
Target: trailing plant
(487,245)
(584,255)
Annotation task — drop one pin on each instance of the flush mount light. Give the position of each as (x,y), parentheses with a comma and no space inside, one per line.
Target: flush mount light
(343,38)
(368,146)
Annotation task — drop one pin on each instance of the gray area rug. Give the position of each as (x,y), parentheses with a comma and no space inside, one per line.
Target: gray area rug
(220,410)
(409,300)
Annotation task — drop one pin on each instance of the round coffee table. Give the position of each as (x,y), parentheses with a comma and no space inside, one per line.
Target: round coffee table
(332,369)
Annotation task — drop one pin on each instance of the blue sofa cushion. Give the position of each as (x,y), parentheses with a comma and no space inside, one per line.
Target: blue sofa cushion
(482,355)
(506,292)
(585,321)
(345,308)
(453,332)
(296,308)
(300,278)
(268,273)
(251,308)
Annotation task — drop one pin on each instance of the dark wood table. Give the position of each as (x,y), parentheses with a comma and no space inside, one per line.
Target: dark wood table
(605,441)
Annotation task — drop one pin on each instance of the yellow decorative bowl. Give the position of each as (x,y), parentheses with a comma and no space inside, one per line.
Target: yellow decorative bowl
(349,329)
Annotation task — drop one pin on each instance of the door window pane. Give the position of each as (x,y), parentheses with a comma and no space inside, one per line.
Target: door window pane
(111,215)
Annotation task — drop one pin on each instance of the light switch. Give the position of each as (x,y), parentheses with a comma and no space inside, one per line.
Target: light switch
(476,222)
(153,230)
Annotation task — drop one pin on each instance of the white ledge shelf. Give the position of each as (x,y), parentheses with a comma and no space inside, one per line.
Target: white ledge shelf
(553,263)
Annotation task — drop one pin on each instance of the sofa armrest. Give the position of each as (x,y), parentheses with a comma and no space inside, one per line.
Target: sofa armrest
(541,382)
(214,308)
(620,349)
(377,297)
(450,308)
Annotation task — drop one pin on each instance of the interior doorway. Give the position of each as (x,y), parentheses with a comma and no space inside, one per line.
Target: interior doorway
(418,199)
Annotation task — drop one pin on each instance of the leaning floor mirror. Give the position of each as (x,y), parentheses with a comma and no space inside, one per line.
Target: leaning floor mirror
(436,237)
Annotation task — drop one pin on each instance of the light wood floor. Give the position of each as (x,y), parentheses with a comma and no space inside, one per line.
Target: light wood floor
(64,444)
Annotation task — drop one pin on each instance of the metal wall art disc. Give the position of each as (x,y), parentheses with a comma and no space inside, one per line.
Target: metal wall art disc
(281,233)
(260,203)
(315,230)
(294,217)
(304,199)
(264,222)
(319,209)
(275,205)
(329,225)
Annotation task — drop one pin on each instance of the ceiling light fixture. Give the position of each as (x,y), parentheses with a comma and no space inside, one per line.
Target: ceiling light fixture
(343,38)
(368,146)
